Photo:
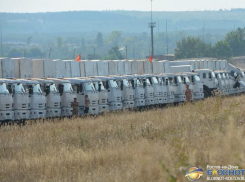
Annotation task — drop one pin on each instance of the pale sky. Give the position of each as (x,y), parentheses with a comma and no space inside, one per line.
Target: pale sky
(143,5)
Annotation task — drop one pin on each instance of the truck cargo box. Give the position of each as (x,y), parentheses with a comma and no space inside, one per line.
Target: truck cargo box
(180,69)
(60,68)
(8,68)
(140,65)
(128,67)
(147,67)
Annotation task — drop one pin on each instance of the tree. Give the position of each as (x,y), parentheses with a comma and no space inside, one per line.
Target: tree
(14,53)
(192,47)
(236,39)
(114,54)
(34,52)
(99,40)
(222,50)
(114,38)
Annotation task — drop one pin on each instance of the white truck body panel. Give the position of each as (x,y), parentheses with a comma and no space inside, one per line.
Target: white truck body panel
(128,67)
(121,67)
(49,69)
(60,69)
(140,65)
(179,69)
(23,68)
(8,68)
(38,68)
(147,67)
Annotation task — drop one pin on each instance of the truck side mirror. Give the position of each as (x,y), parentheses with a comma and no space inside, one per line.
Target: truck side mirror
(10,89)
(99,87)
(107,85)
(47,90)
(133,84)
(144,83)
(30,89)
(61,89)
(121,85)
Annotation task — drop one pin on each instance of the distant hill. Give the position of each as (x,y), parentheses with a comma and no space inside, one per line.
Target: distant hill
(126,21)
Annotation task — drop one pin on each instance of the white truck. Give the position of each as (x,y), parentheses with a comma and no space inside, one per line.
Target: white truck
(114,92)
(82,87)
(179,87)
(21,100)
(127,92)
(102,93)
(167,87)
(222,83)
(196,84)
(38,101)
(209,81)
(160,90)
(67,96)
(149,90)
(139,91)
(6,103)
(53,98)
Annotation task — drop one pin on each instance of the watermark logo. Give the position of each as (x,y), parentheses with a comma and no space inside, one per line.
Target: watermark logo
(221,173)
(194,173)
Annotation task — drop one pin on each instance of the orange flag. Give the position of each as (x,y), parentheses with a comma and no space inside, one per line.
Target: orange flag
(150,58)
(78,58)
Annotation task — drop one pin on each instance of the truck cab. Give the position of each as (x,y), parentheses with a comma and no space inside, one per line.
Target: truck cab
(67,96)
(102,93)
(82,87)
(38,101)
(127,91)
(167,87)
(139,91)
(197,86)
(53,98)
(114,92)
(21,100)
(160,90)
(6,102)
(222,83)
(179,87)
(149,90)
(209,81)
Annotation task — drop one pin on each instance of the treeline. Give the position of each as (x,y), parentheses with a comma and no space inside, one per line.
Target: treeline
(194,47)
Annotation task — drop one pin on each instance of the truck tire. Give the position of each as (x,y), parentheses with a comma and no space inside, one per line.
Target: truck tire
(206,92)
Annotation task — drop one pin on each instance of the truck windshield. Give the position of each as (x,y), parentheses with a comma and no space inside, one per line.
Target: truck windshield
(148,83)
(97,86)
(3,88)
(154,80)
(68,87)
(113,84)
(179,79)
(37,89)
(53,89)
(138,83)
(160,81)
(218,76)
(213,75)
(89,86)
(242,73)
(126,83)
(223,76)
(187,80)
(19,88)
(196,78)
(227,76)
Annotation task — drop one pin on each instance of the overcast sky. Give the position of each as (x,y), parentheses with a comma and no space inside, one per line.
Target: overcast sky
(143,5)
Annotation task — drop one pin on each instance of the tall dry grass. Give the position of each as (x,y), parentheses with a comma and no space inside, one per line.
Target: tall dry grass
(155,145)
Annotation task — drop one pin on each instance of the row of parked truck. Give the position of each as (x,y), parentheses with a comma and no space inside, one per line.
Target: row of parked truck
(32,99)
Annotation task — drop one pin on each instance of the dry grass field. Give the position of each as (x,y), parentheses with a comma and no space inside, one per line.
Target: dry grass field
(155,145)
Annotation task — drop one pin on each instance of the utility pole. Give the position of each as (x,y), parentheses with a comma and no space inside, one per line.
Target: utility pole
(152,25)
(94,53)
(1,41)
(133,53)
(167,36)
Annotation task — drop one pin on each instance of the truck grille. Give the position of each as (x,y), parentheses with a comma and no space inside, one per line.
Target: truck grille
(7,106)
(24,106)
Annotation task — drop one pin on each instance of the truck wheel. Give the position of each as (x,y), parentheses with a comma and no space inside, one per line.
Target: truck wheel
(206,93)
